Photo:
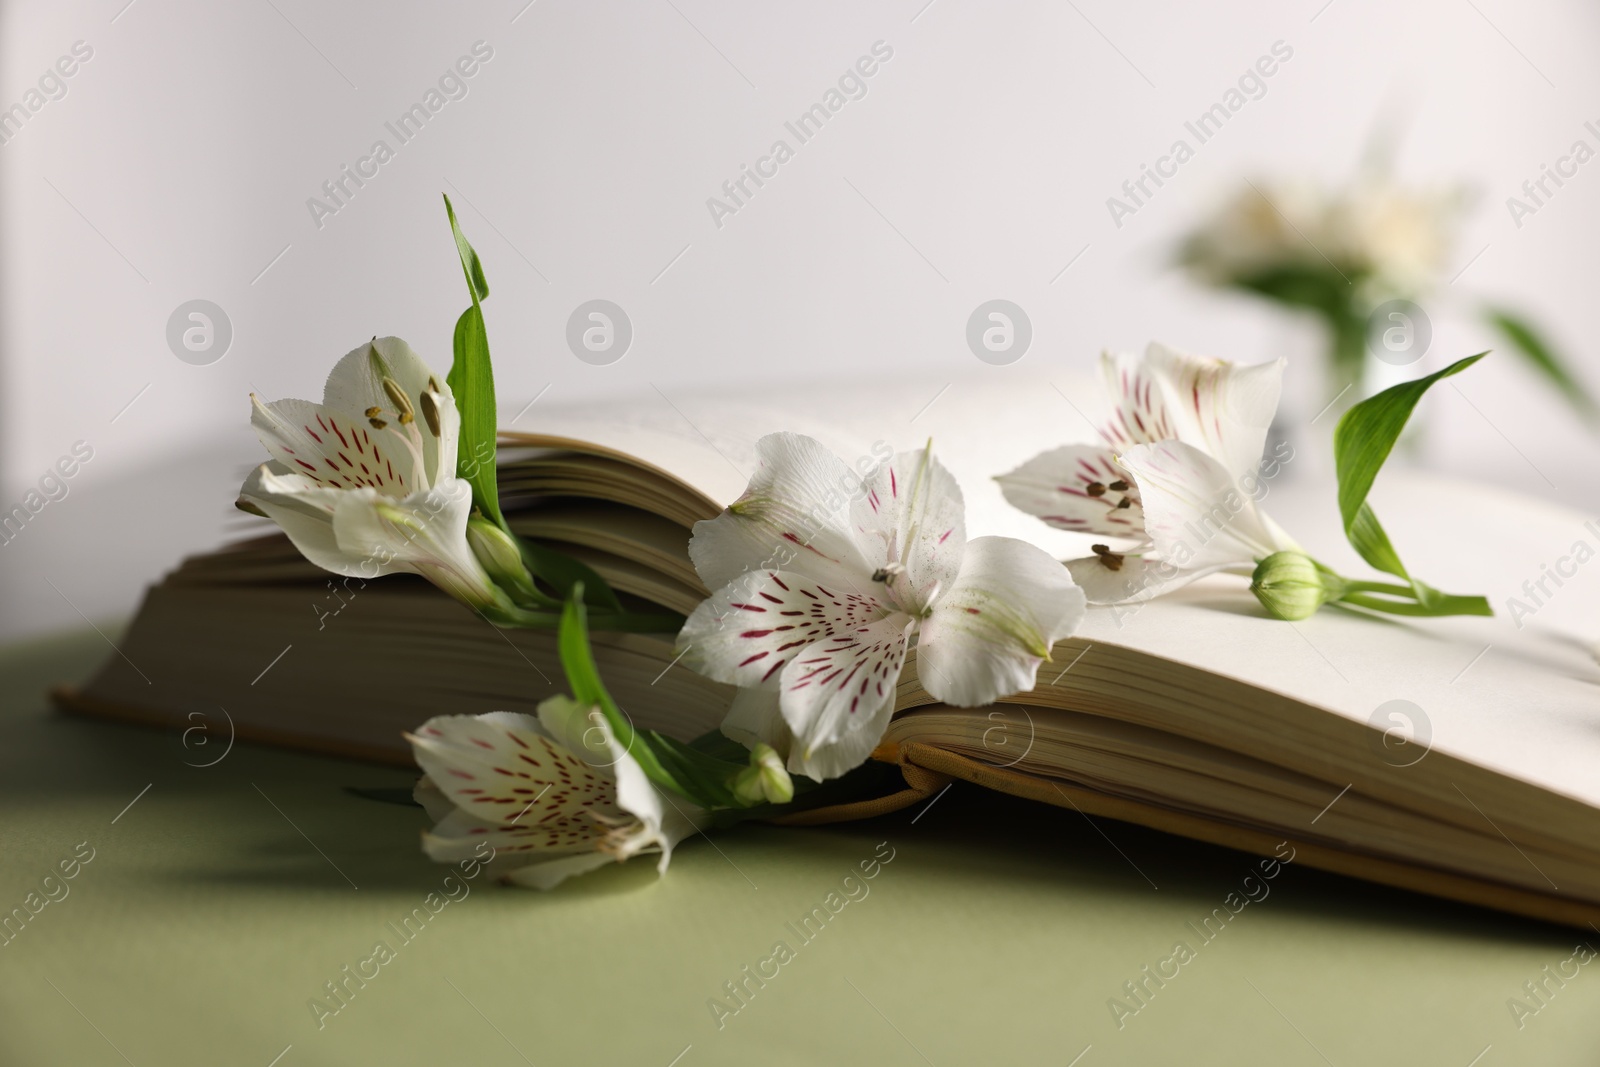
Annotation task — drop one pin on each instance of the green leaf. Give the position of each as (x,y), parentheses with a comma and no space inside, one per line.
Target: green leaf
(583,677)
(1528,341)
(718,744)
(710,776)
(1361,445)
(477,284)
(471,379)
(566,574)
(1372,541)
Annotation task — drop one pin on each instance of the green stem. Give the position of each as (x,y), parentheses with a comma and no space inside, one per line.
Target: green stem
(1347,359)
(1391,588)
(1446,605)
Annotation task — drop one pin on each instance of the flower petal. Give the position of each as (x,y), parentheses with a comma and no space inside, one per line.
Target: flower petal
(356,384)
(460,836)
(1133,578)
(747,631)
(507,769)
(548,874)
(838,692)
(636,795)
(1140,402)
(432,799)
(794,516)
(1222,408)
(1070,488)
(425,533)
(578,728)
(989,633)
(660,821)
(1194,512)
(912,514)
(848,752)
(304,512)
(755,717)
(332,448)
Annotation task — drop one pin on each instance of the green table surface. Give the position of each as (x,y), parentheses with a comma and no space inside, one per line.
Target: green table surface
(218,904)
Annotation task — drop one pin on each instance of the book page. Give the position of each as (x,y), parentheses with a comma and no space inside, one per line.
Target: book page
(1519,696)
(980,427)
(1522,700)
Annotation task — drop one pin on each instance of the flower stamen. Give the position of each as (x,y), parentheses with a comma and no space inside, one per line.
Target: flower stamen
(888,573)
(430,411)
(1112,560)
(402,402)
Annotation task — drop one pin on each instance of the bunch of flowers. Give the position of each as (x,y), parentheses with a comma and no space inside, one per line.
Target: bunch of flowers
(819,603)
(1342,254)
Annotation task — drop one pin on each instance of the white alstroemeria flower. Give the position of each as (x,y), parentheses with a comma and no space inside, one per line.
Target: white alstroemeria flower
(1402,235)
(1267,226)
(555,796)
(365,483)
(822,579)
(1179,475)
(1394,239)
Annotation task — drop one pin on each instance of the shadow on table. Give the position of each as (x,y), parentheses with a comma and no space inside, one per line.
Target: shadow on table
(276,820)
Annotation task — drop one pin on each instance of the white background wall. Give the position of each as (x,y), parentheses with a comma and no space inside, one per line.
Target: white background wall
(179,163)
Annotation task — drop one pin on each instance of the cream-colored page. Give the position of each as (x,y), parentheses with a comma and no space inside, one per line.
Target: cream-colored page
(979,428)
(1518,696)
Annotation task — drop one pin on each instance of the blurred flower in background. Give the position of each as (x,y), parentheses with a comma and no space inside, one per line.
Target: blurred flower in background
(1359,257)
(1293,239)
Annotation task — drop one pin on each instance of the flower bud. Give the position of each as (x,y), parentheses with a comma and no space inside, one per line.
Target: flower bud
(1292,585)
(499,554)
(765,781)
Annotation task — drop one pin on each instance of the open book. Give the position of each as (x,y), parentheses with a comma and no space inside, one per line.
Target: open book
(1459,757)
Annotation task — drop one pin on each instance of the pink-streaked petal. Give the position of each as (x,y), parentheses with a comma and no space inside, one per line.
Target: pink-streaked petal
(333,448)
(747,632)
(1139,402)
(272,481)
(839,692)
(1224,409)
(989,633)
(912,514)
(1194,512)
(356,384)
(848,752)
(459,836)
(1069,488)
(794,516)
(507,770)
